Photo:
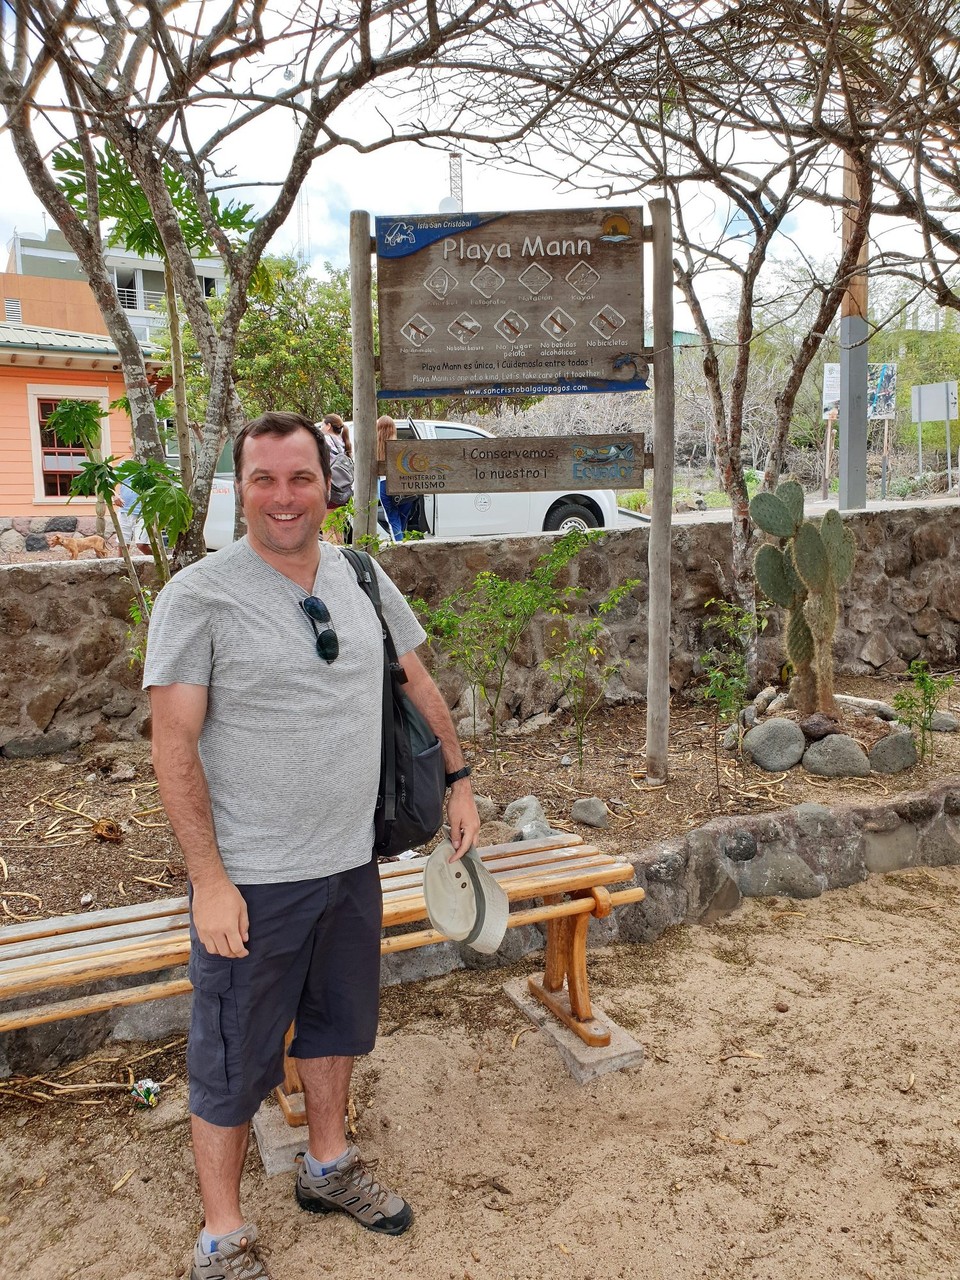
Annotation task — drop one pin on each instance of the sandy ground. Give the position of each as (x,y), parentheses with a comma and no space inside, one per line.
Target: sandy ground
(797,1116)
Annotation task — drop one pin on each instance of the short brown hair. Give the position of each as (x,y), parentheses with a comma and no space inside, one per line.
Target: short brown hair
(279,424)
(334,422)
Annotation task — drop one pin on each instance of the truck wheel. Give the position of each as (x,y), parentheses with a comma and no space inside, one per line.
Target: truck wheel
(570,515)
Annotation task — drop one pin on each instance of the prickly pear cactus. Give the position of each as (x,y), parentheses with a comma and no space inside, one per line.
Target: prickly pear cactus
(803,575)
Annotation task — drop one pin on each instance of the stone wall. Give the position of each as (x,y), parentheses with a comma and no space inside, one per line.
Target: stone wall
(23,535)
(65,636)
(65,649)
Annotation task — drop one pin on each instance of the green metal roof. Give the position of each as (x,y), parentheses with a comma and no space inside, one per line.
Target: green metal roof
(35,337)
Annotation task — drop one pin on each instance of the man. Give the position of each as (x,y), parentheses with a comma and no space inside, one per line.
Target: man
(127,502)
(266,746)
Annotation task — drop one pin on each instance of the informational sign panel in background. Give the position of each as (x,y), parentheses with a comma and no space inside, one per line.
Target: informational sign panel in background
(501,465)
(503,304)
(934,402)
(881,390)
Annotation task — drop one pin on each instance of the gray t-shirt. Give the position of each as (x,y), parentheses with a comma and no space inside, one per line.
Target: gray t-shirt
(290,745)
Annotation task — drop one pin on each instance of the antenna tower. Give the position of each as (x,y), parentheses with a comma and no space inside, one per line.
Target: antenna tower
(456,180)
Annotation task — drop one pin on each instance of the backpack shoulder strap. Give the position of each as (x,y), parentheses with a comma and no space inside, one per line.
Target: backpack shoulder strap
(393,673)
(362,566)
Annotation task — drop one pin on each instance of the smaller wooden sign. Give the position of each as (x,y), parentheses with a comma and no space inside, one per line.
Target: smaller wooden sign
(502,465)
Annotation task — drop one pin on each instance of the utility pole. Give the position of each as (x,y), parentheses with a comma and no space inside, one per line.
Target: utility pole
(852,452)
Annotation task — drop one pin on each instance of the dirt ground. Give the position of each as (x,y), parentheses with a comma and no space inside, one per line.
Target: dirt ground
(796,1115)
(56,860)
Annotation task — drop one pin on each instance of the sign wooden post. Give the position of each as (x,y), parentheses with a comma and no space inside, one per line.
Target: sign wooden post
(659,546)
(364,379)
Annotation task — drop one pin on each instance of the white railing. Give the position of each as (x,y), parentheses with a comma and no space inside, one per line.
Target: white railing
(130,302)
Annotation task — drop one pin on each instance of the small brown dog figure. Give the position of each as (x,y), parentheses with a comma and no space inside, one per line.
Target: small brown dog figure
(75,545)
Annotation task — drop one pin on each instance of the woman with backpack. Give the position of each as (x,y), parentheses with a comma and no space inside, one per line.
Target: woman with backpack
(338,431)
(337,436)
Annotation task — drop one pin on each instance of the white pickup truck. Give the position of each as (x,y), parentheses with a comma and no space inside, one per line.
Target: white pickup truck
(461,515)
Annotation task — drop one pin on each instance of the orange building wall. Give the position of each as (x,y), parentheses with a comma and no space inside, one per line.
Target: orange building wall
(57,304)
(17,493)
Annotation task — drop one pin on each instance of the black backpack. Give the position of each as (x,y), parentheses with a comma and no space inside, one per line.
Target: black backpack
(412,772)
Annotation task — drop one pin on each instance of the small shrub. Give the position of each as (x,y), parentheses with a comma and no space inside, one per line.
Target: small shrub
(579,663)
(916,707)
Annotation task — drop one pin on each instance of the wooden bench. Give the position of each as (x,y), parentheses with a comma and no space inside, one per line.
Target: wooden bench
(569,877)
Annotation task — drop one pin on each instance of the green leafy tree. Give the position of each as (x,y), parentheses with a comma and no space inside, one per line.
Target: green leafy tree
(293,345)
(121,201)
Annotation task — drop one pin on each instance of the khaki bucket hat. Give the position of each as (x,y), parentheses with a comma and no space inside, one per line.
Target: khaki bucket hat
(463,900)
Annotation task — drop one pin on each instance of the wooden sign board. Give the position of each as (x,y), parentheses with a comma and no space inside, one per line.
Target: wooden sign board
(503,465)
(505,304)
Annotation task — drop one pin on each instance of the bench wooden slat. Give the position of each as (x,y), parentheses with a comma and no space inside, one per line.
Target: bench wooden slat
(561,840)
(98,1003)
(524,884)
(80,969)
(66,942)
(532,859)
(55,925)
(74,950)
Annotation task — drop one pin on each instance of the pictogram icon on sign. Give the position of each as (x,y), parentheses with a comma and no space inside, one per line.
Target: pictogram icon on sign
(487,281)
(557,324)
(535,279)
(465,328)
(440,283)
(417,330)
(607,321)
(582,277)
(511,326)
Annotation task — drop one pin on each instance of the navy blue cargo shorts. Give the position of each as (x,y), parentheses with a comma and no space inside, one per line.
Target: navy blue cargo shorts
(314,958)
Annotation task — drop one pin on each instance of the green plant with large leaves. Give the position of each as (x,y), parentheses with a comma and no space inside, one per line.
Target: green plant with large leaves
(165,508)
(803,573)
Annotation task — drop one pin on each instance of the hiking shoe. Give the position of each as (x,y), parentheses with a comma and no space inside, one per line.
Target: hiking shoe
(351,1188)
(235,1258)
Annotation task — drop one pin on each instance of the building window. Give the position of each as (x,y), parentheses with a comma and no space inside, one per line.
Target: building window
(127,289)
(59,462)
(12,311)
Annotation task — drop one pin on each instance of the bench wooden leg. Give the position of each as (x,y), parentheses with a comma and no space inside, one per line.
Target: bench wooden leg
(290,1093)
(564,988)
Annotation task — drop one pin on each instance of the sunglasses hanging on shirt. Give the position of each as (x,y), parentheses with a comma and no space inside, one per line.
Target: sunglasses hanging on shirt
(328,646)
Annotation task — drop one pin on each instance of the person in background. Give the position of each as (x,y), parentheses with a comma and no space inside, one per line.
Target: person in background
(127,503)
(337,433)
(397,510)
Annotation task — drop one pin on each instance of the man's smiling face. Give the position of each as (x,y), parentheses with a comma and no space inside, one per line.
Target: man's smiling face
(283,492)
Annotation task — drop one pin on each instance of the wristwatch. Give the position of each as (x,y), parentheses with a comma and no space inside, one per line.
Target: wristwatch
(451,778)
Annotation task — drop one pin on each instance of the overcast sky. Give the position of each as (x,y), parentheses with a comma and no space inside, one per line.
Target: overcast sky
(401,179)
